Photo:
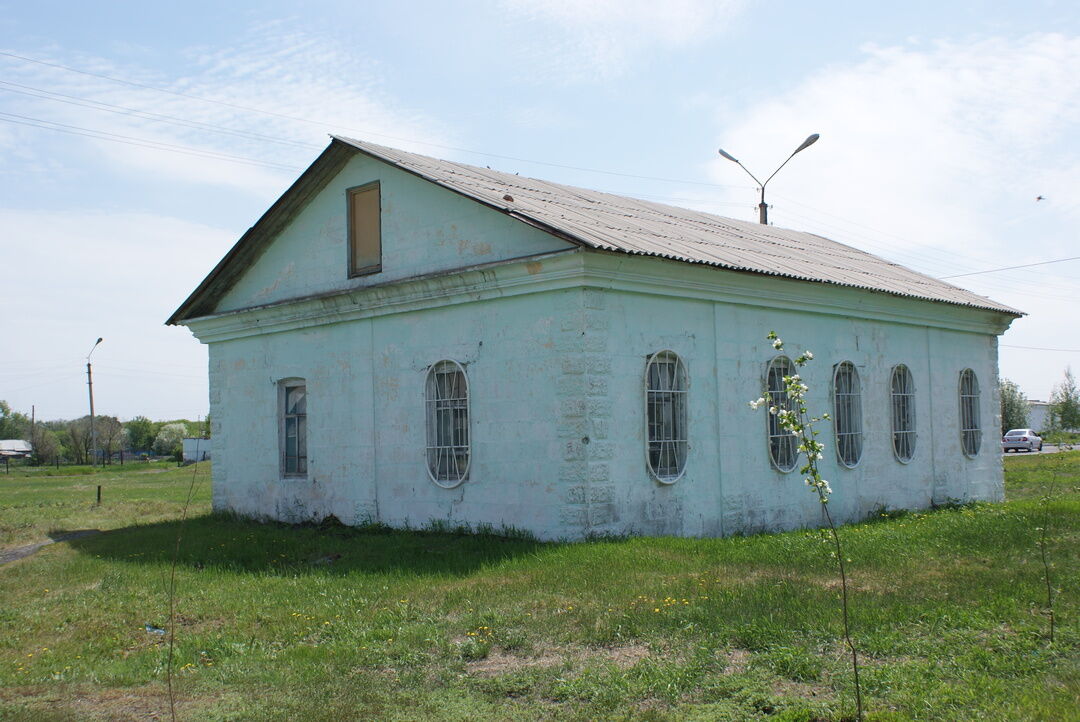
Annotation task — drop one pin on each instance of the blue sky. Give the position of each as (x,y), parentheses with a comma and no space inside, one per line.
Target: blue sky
(940,123)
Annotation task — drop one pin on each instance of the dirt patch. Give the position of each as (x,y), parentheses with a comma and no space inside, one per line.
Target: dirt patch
(500,662)
(625,656)
(86,703)
(737,659)
(801,690)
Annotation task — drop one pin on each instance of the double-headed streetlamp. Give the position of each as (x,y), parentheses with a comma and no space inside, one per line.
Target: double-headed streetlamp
(90,385)
(763,210)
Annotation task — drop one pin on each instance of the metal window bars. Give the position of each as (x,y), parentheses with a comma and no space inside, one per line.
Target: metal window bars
(847,413)
(294,455)
(665,402)
(447,399)
(903,413)
(970,428)
(782,444)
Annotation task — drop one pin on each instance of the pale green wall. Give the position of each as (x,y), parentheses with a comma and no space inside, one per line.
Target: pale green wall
(425,229)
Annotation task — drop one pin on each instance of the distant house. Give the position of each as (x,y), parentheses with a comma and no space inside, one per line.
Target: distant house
(196,449)
(403,339)
(15,449)
(1038,414)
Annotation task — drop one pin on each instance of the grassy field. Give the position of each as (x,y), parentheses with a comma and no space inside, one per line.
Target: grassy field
(273,624)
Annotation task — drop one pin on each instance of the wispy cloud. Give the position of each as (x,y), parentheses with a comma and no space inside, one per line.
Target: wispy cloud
(308,85)
(575,41)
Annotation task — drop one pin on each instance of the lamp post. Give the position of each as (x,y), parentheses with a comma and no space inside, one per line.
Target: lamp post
(90,386)
(763,210)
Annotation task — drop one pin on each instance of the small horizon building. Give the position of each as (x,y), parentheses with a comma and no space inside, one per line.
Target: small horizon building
(403,340)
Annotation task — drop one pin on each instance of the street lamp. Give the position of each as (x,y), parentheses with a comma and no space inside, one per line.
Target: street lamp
(90,385)
(763,210)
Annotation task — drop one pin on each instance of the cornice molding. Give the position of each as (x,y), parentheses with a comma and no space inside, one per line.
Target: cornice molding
(579,268)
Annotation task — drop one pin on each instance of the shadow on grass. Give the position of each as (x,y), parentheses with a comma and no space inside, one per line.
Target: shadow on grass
(227,542)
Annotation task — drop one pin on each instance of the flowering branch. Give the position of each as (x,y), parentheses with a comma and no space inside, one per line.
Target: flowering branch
(792,415)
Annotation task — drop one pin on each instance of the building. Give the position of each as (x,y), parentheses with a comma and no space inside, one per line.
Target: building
(15,449)
(404,340)
(1038,415)
(196,448)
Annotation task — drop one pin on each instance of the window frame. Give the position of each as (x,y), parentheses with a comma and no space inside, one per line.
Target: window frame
(677,397)
(970,407)
(434,428)
(905,397)
(300,420)
(350,242)
(775,437)
(850,418)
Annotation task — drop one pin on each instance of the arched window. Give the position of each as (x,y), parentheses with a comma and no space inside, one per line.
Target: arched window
(447,397)
(847,413)
(903,413)
(665,404)
(782,444)
(970,428)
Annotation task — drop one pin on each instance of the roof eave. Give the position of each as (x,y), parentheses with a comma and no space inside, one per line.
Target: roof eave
(258,237)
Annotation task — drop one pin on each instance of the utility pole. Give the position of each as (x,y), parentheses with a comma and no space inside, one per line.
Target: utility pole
(763,209)
(90,386)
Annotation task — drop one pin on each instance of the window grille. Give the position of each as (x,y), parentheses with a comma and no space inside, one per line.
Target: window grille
(903,413)
(782,444)
(294,456)
(847,413)
(448,451)
(970,431)
(665,401)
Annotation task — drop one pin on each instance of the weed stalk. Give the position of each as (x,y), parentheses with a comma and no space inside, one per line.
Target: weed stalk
(786,401)
(172,589)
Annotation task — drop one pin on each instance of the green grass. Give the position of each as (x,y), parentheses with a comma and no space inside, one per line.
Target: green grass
(441,626)
(36,502)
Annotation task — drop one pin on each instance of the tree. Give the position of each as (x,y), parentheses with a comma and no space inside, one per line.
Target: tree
(79,433)
(1014,406)
(13,425)
(110,435)
(1065,404)
(170,439)
(46,444)
(141,433)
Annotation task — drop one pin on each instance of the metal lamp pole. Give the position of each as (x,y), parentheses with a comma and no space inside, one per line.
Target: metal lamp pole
(763,210)
(90,385)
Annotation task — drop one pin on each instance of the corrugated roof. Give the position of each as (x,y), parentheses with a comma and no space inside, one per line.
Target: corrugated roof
(631,225)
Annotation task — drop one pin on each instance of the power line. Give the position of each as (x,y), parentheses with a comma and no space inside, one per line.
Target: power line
(145,114)
(1038,348)
(1010,268)
(363,131)
(140,142)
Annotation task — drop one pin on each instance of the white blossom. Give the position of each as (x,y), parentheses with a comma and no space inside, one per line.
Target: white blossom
(777,344)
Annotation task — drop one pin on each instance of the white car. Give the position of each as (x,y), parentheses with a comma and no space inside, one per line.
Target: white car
(1016,439)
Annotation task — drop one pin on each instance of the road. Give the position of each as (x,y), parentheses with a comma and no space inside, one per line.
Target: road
(1047,449)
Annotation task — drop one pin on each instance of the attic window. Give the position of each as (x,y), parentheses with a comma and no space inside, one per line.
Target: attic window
(365,233)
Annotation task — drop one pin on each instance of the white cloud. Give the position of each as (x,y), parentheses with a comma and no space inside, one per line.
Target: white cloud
(600,39)
(933,156)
